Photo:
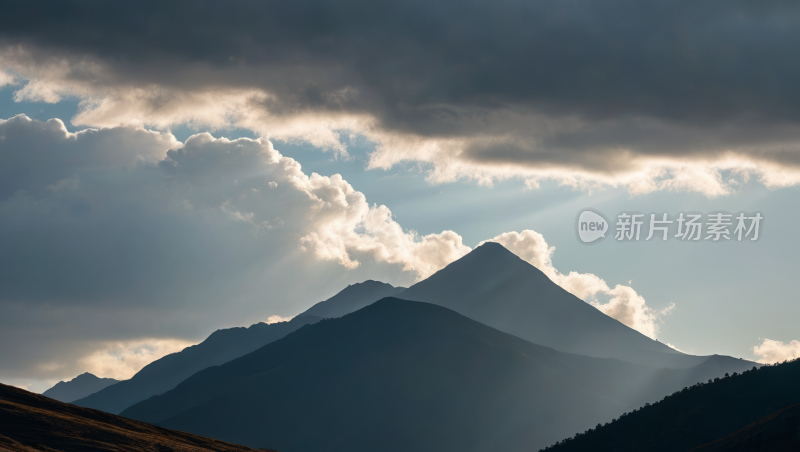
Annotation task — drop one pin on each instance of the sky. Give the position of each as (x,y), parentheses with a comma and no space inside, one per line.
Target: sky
(170,169)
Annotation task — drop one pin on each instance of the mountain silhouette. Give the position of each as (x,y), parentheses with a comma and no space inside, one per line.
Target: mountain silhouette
(165,373)
(400,375)
(81,386)
(353,298)
(224,345)
(756,410)
(495,287)
(31,422)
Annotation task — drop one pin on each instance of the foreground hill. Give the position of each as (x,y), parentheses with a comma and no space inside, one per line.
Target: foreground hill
(753,411)
(778,432)
(495,287)
(81,386)
(400,375)
(165,373)
(353,298)
(31,422)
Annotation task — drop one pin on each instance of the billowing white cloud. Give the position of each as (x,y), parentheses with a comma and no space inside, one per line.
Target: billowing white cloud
(623,304)
(770,351)
(336,220)
(246,180)
(371,229)
(40,155)
(164,231)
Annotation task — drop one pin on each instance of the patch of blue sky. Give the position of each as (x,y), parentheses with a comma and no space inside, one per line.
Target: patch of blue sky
(41,111)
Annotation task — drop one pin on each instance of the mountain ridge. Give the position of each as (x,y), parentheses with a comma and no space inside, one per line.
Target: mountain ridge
(416,373)
(165,373)
(352,298)
(81,386)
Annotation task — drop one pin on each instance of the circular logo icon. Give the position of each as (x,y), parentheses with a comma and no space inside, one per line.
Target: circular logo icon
(591,226)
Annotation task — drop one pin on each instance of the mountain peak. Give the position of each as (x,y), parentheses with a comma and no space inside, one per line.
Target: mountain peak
(353,298)
(496,287)
(489,245)
(79,387)
(370,283)
(492,249)
(488,265)
(86,375)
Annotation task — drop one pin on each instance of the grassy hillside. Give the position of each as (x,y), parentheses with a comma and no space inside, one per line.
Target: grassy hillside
(31,422)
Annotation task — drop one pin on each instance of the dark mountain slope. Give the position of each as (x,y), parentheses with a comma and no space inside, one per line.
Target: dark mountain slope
(164,374)
(401,375)
(31,422)
(778,432)
(495,287)
(706,413)
(81,386)
(353,298)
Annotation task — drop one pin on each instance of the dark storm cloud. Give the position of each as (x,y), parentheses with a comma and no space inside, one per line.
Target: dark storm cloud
(607,145)
(415,64)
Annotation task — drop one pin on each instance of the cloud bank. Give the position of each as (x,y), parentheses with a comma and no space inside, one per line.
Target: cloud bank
(668,95)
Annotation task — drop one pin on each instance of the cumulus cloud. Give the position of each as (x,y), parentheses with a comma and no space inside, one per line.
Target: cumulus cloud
(770,351)
(623,304)
(624,106)
(40,155)
(372,230)
(136,235)
(246,180)
(338,222)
